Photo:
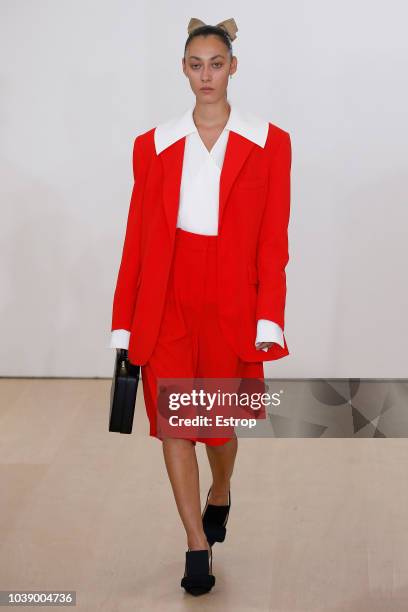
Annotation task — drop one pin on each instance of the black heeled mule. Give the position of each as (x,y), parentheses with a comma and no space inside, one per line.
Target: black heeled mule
(198,577)
(215,519)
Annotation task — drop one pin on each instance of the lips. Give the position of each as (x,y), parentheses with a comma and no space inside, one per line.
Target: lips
(207,89)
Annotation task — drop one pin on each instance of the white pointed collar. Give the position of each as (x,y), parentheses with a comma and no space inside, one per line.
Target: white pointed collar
(242,122)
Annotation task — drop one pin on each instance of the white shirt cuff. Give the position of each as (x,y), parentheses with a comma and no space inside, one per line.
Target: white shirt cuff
(269,331)
(119,338)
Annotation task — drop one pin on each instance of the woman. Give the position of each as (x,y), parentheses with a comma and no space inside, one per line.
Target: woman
(201,286)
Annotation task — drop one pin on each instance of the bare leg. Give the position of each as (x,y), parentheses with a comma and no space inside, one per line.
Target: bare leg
(182,467)
(221,459)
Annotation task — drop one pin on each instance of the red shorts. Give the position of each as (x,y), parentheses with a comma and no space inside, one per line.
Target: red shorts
(191,343)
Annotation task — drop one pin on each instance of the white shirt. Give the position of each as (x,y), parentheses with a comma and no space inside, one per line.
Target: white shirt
(199,188)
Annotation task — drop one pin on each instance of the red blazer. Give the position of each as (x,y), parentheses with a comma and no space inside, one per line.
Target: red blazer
(253,222)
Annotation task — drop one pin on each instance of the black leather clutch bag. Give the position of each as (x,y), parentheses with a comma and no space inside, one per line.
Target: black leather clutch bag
(123,393)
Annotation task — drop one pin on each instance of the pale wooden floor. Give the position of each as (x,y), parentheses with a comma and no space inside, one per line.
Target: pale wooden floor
(315,525)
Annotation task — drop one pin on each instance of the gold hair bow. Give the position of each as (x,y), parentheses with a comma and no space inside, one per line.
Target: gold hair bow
(228,25)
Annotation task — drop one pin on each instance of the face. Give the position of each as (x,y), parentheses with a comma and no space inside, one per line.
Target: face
(207,64)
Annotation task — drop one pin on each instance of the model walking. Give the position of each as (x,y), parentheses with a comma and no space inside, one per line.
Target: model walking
(201,287)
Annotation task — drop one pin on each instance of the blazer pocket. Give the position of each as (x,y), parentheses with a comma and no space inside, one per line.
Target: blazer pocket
(252,274)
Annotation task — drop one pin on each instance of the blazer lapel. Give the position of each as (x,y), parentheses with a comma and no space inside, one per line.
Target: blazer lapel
(172,162)
(237,151)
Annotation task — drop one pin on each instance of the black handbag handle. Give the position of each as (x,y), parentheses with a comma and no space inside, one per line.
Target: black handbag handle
(123,353)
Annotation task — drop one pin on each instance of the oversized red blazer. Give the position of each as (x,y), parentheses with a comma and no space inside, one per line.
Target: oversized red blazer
(254,207)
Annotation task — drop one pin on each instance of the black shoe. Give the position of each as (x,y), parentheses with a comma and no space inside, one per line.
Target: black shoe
(215,519)
(198,577)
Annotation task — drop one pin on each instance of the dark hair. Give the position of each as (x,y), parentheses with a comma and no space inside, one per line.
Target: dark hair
(207,30)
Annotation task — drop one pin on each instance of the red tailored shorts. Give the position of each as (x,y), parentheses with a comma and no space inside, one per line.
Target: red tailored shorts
(190,342)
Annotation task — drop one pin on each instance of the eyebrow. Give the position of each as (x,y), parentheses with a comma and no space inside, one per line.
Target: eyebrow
(213,57)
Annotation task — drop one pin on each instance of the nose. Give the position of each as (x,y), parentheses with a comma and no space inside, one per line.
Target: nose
(205,74)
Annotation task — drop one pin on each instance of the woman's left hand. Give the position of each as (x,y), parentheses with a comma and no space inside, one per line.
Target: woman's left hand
(261,345)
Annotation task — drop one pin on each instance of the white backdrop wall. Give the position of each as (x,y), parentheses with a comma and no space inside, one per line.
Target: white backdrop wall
(80,79)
